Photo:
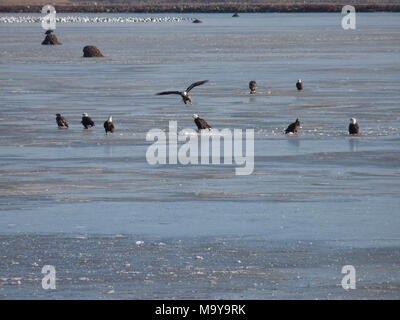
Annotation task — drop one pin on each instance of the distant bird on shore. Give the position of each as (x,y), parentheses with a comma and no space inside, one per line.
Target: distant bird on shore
(197,21)
(109,125)
(61,121)
(200,123)
(252,86)
(236,15)
(293,127)
(87,121)
(185,94)
(299,85)
(353,127)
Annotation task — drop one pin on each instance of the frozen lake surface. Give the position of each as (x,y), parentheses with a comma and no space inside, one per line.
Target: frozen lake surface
(314,203)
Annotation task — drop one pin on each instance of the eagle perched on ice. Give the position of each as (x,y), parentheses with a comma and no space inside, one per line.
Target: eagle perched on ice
(200,123)
(109,125)
(293,127)
(61,121)
(353,127)
(87,121)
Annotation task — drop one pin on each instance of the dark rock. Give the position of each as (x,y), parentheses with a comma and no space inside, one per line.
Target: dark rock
(197,21)
(236,15)
(91,51)
(50,39)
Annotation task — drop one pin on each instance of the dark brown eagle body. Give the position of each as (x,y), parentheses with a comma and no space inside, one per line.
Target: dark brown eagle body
(293,127)
(61,121)
(252,86)
(87,121)
(184,94)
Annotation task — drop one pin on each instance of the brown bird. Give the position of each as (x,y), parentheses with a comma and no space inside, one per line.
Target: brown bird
(87,121)
(200,123)
(252,86)
(185,94)
(293,127)
(299,85)
(353,127)
(109,125)
(61,121)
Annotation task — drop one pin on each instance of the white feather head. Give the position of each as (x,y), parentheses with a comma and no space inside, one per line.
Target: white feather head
(299,81)
(109,118)
(195,116)
(185,93)
(85,114)
(353,120)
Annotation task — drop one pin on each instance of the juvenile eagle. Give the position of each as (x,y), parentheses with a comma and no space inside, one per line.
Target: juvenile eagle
(293,127)
(61,121)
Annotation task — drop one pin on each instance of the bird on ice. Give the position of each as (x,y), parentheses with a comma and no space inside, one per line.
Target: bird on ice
(252,86)
(185,94)
(293,127)
(87,121)
(61,121)
(299,85)
(109,125)
(200,123)
(353,127)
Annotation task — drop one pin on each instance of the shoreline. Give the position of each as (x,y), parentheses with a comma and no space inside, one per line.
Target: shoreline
(200,8)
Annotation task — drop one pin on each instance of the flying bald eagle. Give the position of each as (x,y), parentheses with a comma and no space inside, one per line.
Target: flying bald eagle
(200,123)
(299,85)
(87,121)
(293,127)
(185,94)
(353,127)
(109,125)
(61,121)
(252,86)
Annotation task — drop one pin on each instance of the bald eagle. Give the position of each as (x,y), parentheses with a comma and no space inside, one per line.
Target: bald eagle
(299,85)
(353,127)
(87,121)
(293,127)
(109,125)
(61,121)
(252,86)
(200,123)
(185,94)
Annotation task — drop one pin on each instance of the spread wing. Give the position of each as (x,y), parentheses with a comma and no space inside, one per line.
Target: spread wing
(198,83)
(168,92)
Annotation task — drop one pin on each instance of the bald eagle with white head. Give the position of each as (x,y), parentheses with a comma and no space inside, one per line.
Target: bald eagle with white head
(353,127)
(109,125)
(200,123)
(87,121)
(299,85)
(185,94)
